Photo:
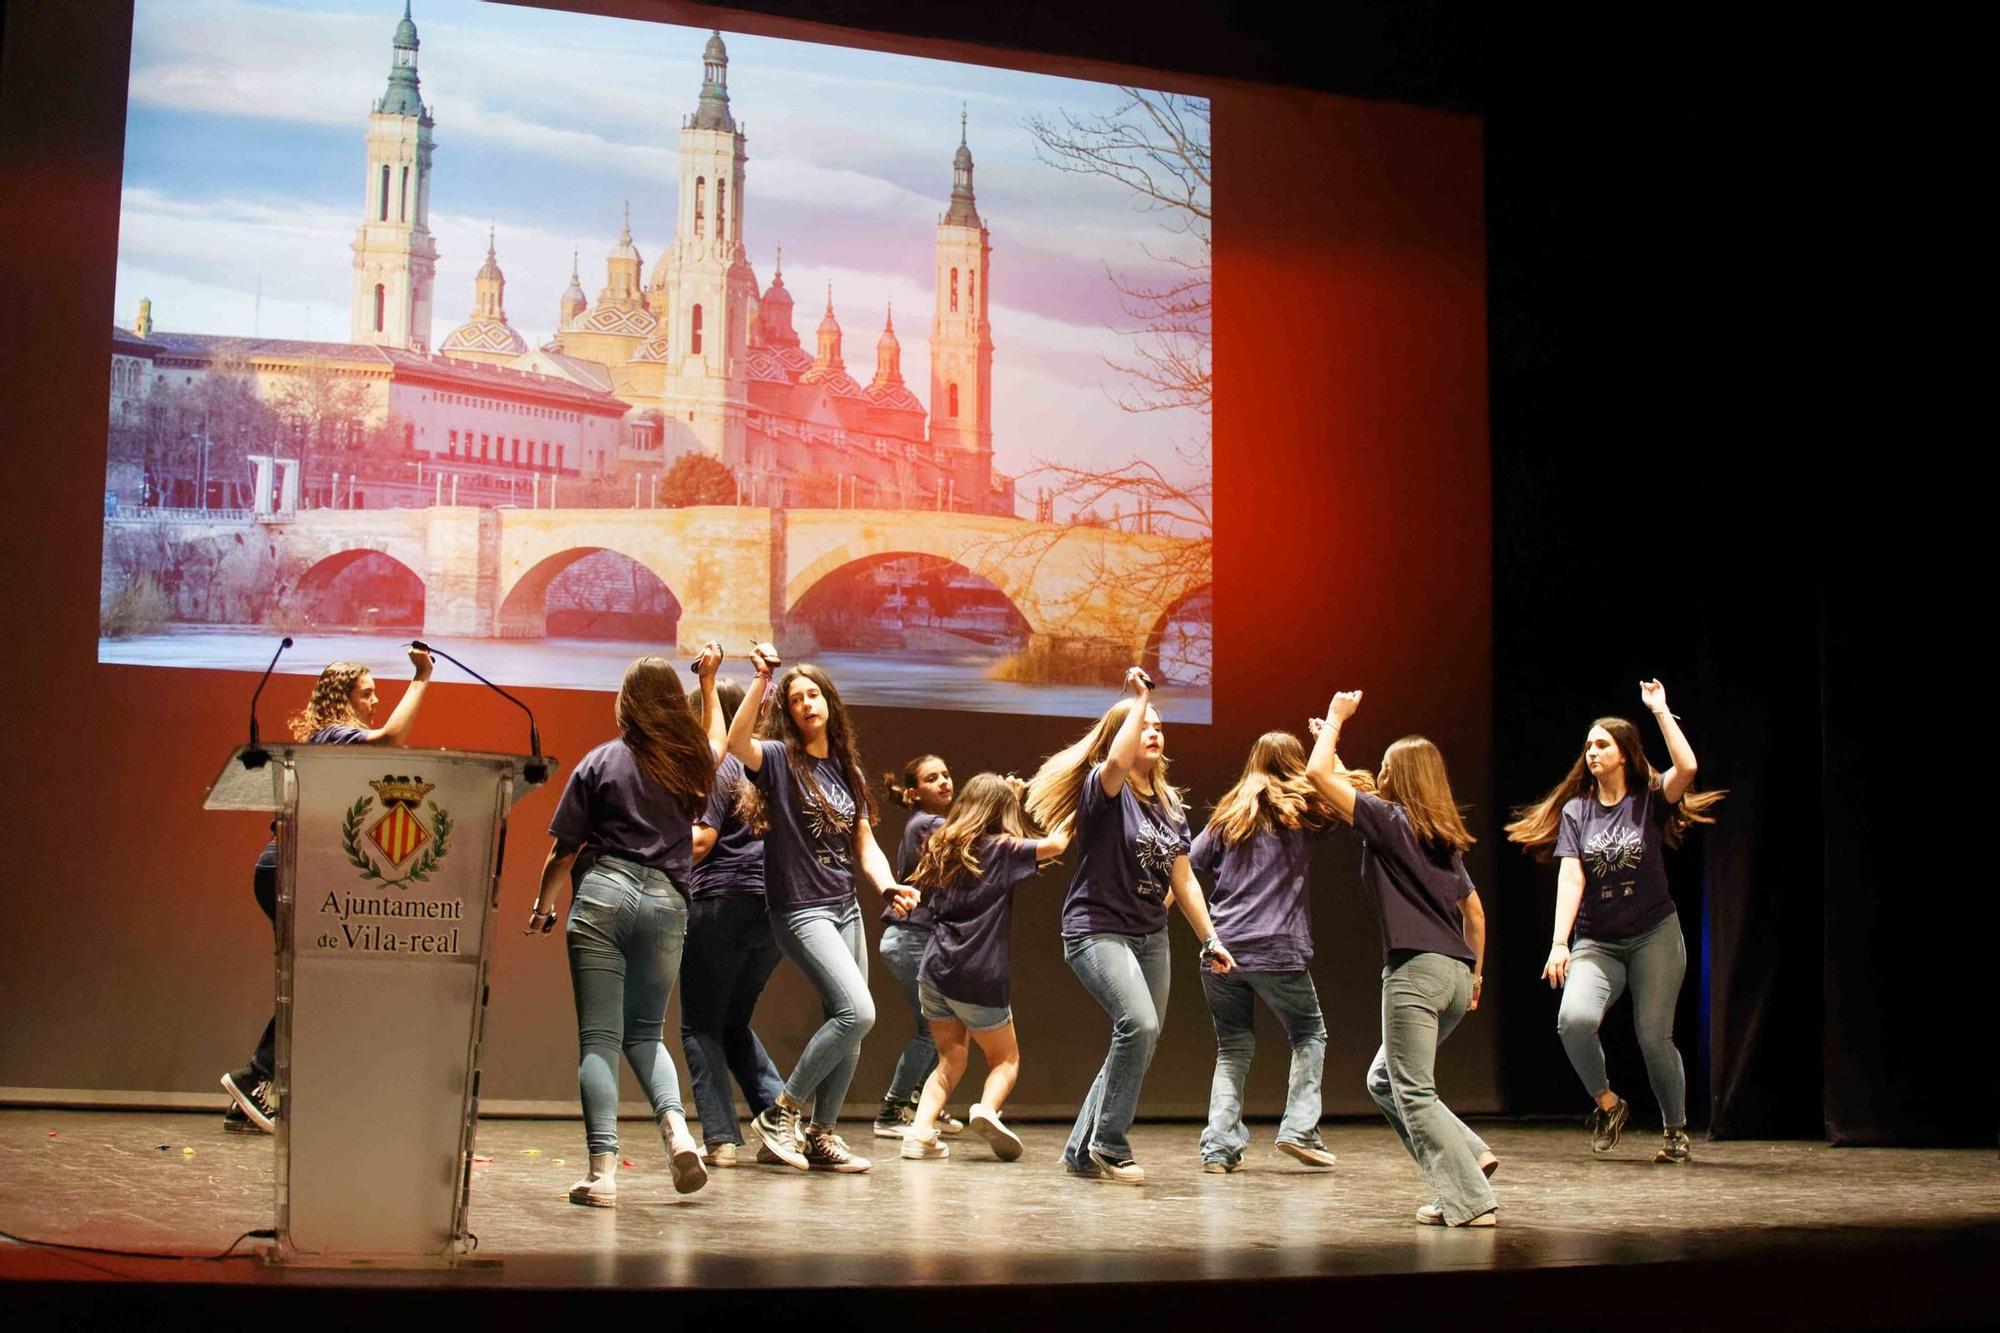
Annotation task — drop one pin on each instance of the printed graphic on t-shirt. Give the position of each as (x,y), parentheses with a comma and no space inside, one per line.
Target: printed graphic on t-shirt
(830,820)
(1157,850)
(1614,850)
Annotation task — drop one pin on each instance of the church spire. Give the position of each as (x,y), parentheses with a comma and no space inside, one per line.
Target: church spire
(888,355)
(828,361)
(963,212)
(574,303)
(712,111)
(403,97)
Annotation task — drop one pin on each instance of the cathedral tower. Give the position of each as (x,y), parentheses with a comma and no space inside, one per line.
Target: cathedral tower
(961,337)
(394,256)
(703,287)
(486,336)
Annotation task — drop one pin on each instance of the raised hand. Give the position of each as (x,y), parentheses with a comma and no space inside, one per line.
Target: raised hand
(1315,725)
(1344,705)
(710,660)
(1137,681)
(420,663)
(1653,695)
(765,658)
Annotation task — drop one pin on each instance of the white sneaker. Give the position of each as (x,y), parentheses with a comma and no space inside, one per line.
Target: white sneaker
(948,1124)
(599,1189)
(1431,1215)
(1312,1154)
(985,1121)
(918,1148)
(1117,1170)
(779,1129)
(722,1154)
(683,1158)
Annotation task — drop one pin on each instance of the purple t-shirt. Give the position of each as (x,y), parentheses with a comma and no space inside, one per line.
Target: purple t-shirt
(919,827)
(735,860)
(1259,903)
(1416,888)
(611,808)
(971,949)
(1624,874)
(1126,849)
(809,849)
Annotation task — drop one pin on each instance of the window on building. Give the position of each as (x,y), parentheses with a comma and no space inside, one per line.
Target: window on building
(972,291)
(452,447)
(383,212)
(951,400)
(954,291)
(486,442)
(545,453)
(722,210)
(517,449)
(403,203)
(559,457)
(694,333)
(381,305)
(700,190)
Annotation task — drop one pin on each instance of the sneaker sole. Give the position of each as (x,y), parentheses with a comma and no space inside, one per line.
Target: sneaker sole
(889,1131)
(588,1200)
(1006,1144)
(1106,1174)
(689,1174)
(909,1156)
(842,1168)
(1302,1154)
(246,1104)
(1221,1168)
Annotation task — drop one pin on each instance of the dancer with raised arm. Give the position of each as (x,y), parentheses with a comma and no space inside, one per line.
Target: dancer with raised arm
(340,711)
(729,956)
(627,816)
(1433,941)
(1256,852)
(968,871)
(805,774)
(1607,822)
(926,792)
(1132,844)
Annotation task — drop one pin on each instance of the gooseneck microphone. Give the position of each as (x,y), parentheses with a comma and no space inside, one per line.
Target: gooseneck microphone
(534,770)
(254,754)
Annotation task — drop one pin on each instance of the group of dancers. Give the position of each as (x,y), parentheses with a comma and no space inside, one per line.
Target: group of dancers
(714,837)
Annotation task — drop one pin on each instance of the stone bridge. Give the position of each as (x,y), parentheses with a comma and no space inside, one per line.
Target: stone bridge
(740,573)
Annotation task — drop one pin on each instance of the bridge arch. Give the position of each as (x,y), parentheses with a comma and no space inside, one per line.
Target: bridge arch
(925,591)
(1180,647)
(359,588)
(617,597)
(873,547)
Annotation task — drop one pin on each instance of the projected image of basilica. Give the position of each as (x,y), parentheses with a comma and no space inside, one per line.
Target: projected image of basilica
(697,357)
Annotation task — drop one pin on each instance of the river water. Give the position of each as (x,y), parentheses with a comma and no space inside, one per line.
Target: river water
(900,681)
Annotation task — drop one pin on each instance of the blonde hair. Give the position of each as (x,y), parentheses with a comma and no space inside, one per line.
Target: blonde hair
(1057,787)
(989,805)
(1274,792)
(1413,776)
(332,701)
(1535,826)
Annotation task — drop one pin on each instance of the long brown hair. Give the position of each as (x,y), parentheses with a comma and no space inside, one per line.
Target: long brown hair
(1536,825)
(988,805)
(663,733)
(1274,792)
(842,747)
(1057,787)
(331,702)
(1413,776)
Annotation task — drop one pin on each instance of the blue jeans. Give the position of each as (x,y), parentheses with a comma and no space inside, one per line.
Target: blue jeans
(902,951)
(729,956)
(624,934)
(1424,995)
(827,944)
(1654,964)
(1127,975)
(1292,998)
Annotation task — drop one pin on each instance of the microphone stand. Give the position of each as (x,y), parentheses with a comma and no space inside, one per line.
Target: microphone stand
(255,755)
(535,771)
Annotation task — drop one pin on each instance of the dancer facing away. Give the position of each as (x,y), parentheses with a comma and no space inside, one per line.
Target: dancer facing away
(805,771)
(1257,850)
(926,791)
(629,810)
(1132,844)
(968,872)
(1433,941)
(730,954)
(1607,821)
(340,711)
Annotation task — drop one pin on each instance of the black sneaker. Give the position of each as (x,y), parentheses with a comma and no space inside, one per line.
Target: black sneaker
(236,1122)
(1605,1126)
(1675,1148)
(896,1117)
(253,1093)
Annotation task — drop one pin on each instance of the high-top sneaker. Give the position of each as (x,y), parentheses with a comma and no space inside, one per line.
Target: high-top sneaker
(827,1151)
(896,1117)
(253,1094)
(778,1127)
(599,1189)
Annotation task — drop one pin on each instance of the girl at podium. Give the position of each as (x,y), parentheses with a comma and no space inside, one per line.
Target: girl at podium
(341,711)
(629,809)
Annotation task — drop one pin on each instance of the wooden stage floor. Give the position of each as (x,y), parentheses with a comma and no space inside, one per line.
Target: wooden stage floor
(1796,1232)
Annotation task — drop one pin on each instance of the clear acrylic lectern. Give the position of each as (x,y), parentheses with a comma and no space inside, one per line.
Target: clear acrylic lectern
(388,874)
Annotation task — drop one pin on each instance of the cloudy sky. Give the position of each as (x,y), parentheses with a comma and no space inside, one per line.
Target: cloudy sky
(245,168)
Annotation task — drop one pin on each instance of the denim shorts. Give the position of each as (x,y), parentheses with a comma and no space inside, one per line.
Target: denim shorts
(940,1008)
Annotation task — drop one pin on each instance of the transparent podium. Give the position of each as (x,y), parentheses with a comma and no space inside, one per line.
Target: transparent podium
(388,875)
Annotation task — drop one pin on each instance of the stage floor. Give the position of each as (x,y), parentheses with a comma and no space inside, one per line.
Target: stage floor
(178,1184)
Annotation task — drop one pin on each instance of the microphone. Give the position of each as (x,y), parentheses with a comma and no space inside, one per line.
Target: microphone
(535,771)
(255,755)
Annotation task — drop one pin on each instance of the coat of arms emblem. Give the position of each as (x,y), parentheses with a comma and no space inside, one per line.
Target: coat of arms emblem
(400,837)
